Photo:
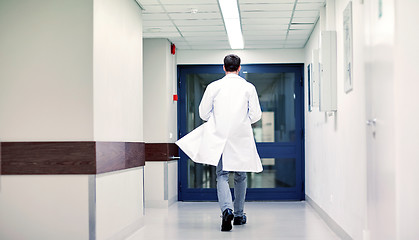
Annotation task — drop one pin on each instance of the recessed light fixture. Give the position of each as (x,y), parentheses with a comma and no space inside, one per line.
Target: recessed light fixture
(154,29)
(231,17)
(193,10)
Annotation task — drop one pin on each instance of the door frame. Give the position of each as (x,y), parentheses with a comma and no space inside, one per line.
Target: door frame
(253,194)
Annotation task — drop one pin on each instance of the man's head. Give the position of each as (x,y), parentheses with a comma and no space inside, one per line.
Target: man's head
(231,63)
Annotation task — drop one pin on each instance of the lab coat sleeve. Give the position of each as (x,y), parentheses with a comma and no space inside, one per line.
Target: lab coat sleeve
(255,113)
(206,105)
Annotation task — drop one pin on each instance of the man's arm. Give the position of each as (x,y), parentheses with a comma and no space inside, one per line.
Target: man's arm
(254,107)
(206,106)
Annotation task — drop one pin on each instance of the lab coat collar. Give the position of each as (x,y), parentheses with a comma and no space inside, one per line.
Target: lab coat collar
(233,75)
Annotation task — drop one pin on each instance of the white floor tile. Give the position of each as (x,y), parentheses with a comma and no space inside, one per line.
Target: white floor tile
(266,220)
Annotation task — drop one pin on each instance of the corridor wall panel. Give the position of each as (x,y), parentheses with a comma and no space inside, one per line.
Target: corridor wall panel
(46,70)
(336,142)
(71,81)
(117,71)
(47,207)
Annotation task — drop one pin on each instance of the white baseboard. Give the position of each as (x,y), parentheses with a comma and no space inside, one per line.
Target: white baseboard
(160,203)
(129,230)
(172,200)
(329,221)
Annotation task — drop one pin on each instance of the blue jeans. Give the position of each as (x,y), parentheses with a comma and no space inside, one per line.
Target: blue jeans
(223,190)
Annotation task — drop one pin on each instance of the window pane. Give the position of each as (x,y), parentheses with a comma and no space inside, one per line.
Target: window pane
(277,172)
(196,85)
(200,175)
(277,100)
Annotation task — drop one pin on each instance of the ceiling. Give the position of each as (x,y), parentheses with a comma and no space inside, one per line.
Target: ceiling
(198,24)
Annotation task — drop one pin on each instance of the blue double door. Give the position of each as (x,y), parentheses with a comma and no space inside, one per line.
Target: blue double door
(279,135)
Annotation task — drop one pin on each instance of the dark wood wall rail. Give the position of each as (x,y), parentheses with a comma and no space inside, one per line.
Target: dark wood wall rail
(69,157)
(161,151)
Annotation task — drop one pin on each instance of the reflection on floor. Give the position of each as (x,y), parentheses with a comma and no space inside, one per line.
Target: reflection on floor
(266,220)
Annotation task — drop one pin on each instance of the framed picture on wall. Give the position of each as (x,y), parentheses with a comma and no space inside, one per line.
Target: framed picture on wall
(347,46)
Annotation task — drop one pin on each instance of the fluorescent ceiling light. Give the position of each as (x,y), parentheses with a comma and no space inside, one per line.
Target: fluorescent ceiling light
(231,16)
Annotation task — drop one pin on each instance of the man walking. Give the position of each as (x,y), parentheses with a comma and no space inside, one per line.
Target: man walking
(229,105)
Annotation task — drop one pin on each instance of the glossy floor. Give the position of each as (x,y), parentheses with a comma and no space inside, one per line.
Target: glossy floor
(266,220)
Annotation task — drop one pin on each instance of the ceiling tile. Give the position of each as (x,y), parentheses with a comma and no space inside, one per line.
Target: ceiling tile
(302,26)
(292,46)
(249,27)
(311,1)
(155,16)
(264,46)
(296,41)
(264,33)
(267,1)
(180,44)
(199,28)
(212,46)
(270,42)
(208,38)
(188,1)
(178,39)
(194,22)
(145,2)
(281,14)
(154,23)
(304,20)
(299,31)
(264,37)
(208,43)
(161,35)
(266,7)
(153,9)
(204,33)
(308,6)
(262,21)
(186,8)
(297,37)
(198,16)
(306,14)
(159,29)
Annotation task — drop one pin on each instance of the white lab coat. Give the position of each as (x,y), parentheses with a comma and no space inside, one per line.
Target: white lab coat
(229,105)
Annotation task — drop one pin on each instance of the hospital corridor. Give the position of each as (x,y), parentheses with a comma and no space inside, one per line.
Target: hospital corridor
(155,119)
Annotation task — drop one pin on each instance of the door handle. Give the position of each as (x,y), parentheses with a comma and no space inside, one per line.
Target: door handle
(372,122)
(174,158)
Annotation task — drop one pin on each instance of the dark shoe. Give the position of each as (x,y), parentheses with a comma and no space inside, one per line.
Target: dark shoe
(227,218)
(240,220)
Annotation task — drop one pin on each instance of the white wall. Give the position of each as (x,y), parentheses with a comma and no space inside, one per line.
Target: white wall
(119,203)
(247,56)
(160,111)
(46,70)
(407,118)
(44,207)
(336,145)
(161,178)
(117,68)
(71,71)
(172,182)
(118,112)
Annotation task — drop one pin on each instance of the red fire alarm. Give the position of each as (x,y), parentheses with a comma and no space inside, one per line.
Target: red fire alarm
(174,97)
(173,49)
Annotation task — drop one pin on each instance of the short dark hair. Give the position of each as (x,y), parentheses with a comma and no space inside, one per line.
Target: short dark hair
(231,63)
